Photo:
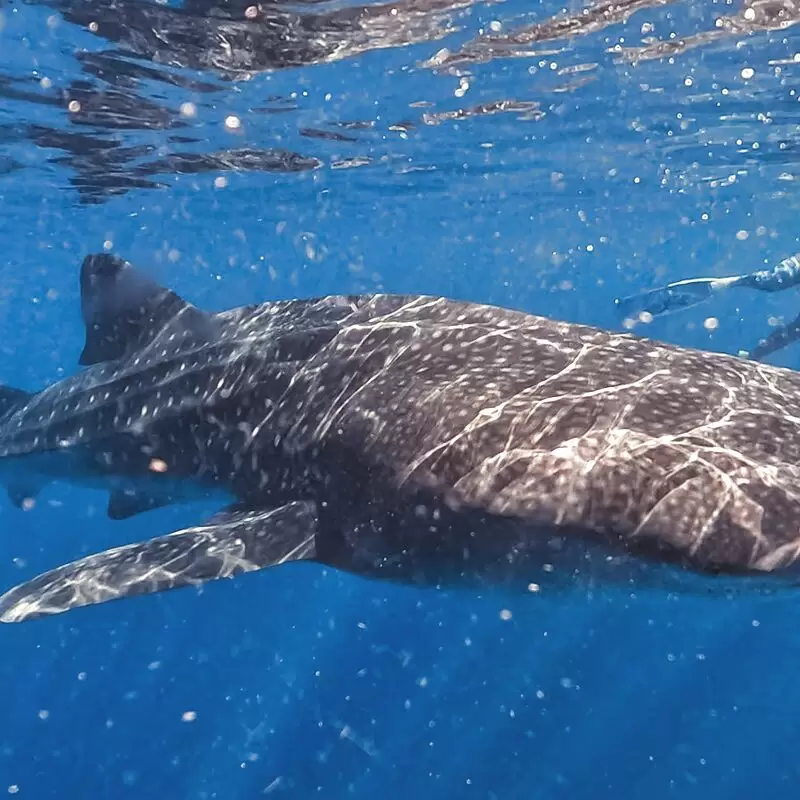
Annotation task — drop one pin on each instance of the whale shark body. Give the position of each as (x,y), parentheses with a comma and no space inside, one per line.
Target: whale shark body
(413,438)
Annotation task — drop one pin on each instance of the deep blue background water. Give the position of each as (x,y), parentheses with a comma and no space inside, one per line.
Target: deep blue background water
(309,683)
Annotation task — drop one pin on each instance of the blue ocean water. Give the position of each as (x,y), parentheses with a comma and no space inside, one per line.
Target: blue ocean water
(246,152)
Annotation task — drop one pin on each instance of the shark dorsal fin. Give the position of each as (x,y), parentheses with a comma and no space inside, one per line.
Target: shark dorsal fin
(124,310)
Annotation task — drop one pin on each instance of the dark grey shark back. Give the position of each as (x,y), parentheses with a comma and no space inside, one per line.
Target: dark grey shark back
(152,356)
(383,409)
(559,424)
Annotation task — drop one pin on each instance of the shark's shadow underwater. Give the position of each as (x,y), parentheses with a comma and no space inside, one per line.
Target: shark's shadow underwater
(414,438)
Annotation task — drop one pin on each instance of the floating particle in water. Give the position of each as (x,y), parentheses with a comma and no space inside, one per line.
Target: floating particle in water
(129,777)
(711,323)
(505,615)
(742,235)
(74,106)
(13,789)
(189,716)
(276,784)
(188,110)
(43,714)
(221,182)
(233,123)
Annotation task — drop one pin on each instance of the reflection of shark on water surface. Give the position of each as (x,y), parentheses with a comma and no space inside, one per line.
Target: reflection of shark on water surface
(414,438)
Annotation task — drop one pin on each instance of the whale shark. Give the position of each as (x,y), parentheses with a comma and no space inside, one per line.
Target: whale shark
(412,438)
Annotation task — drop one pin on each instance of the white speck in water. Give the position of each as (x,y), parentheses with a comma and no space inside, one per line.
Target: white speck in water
(463,88)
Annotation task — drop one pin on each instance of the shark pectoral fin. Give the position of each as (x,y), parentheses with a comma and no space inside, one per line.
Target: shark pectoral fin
(125,503)
(124,310)
(228,544)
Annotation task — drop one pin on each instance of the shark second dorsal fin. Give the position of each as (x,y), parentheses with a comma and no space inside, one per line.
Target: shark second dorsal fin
(127,503)
(124,310)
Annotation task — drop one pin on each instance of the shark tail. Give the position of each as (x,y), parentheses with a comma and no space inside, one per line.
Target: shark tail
(21,491)
(12,398)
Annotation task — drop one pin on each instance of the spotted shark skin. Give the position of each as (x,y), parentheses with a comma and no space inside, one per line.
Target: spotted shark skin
(412,438)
